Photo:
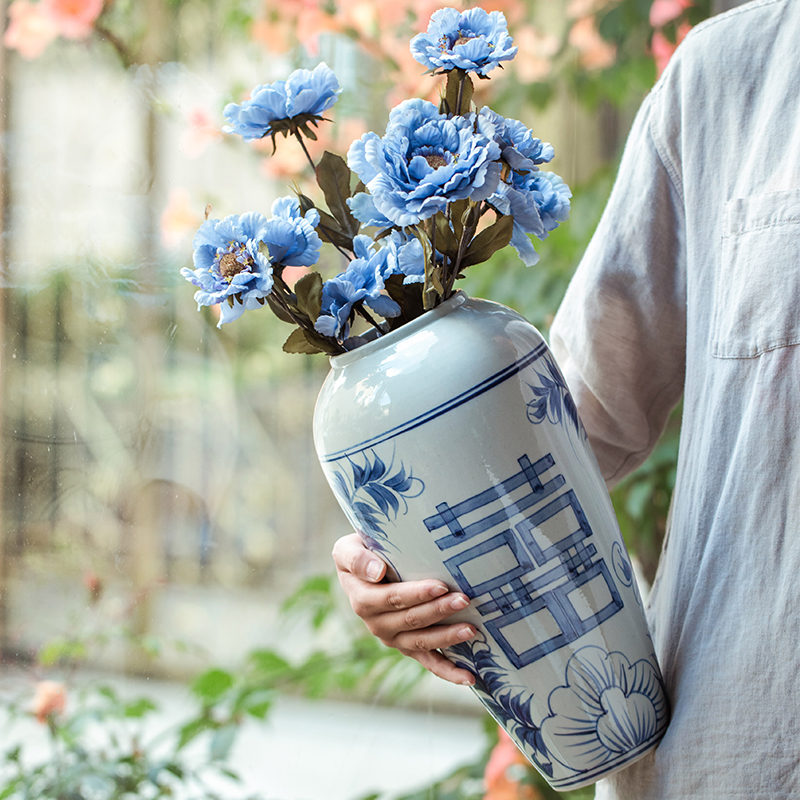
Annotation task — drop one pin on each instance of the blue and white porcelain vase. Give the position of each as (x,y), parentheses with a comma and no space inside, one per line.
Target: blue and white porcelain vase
(456,451)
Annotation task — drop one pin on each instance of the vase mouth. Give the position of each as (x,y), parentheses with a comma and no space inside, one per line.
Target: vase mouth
(388,339)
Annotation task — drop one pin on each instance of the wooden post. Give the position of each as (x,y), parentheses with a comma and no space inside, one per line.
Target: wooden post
(5,168)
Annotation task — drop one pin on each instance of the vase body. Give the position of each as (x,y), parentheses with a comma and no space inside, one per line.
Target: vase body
(455,449)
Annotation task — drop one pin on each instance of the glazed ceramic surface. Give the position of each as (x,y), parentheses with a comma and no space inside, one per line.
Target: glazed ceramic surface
(455,449)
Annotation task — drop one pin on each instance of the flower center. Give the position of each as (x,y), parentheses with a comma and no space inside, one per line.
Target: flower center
(463,39)
(229,266)
(234,260)
(436,161)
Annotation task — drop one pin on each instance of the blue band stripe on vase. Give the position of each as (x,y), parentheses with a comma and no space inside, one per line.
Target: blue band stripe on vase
(479,389)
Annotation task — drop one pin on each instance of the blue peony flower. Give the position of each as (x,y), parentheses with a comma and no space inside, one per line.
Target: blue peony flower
(362,281)
(539,201)
(404,256)
(423,162)
(272,107)
(290,236)
(519,147)
(229,266)
(475,41)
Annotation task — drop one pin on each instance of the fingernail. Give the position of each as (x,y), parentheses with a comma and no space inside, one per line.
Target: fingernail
(468,682)
(458,603)
(465,633)
(438,591)
(374,569)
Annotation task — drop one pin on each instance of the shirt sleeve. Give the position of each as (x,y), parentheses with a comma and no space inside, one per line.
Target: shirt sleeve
(620,333)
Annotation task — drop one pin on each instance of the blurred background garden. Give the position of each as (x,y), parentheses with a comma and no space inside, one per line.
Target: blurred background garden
(168,614)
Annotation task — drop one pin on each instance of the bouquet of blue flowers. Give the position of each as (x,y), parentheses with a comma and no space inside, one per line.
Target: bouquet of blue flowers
(407,211)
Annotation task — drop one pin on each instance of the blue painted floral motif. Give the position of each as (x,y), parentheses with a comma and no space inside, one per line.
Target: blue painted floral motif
(552,400)
(373,496)
(607,708)
(512,709)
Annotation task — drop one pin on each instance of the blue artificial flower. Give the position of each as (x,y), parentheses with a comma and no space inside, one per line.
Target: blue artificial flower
(290,236)
(538,201)
(230,271)
(278,107)
(423,162)
(362,281)
(230,268)
(475,41)
(404,256)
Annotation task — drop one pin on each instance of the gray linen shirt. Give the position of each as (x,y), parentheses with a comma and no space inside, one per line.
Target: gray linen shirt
(691,286)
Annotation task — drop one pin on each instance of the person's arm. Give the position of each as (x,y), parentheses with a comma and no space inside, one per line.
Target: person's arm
(409,616)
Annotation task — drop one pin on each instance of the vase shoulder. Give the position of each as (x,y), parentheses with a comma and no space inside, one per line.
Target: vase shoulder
(424,366)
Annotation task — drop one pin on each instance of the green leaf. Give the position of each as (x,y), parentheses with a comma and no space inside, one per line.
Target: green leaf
(458,212)
(268,664)
(61,650)
(333,177)
(212,684)
(259,710)
(191,730)
(488,242)
(309,295)
(330,231)
(139,708)
(408,297)
(298,342)
(279,311)
(11,788)
(446,241)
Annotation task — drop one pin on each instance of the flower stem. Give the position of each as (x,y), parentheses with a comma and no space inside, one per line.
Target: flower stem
(364,313)
(123,52)
(305,149)
(466,238)
(461,79)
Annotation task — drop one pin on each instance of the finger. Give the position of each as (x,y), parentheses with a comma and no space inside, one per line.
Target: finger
(435,637)
(422,602)
(351,556)
(439,666)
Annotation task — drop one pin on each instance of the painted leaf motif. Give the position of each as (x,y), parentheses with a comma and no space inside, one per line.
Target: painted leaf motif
(374,495)
(552,400)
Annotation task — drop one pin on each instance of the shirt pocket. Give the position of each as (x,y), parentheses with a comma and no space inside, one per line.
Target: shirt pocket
(757,287)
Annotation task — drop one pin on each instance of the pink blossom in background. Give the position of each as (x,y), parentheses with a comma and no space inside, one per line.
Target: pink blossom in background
(312,22)
(584,8)
(293,274)
(50,700)
(595,52)
(662,48)
(664,11)
(276,36)
(178,220)
(501,783)
(200,133)
(289,162)
(74,18)
(358,15)
(536,51)
(29,29)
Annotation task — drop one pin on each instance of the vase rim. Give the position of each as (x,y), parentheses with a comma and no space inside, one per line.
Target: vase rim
(388,339)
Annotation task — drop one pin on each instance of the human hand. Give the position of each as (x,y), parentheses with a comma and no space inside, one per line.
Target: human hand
(408,616)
